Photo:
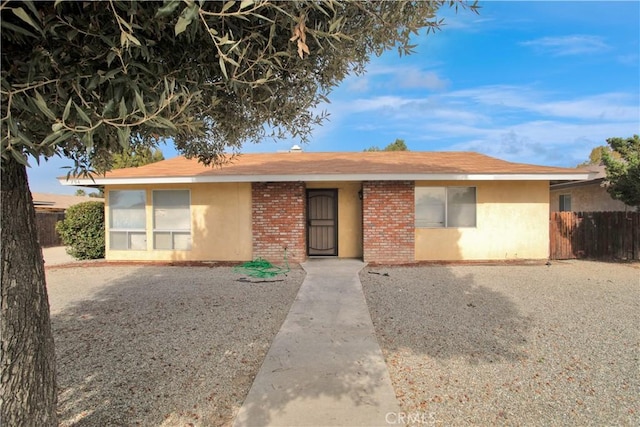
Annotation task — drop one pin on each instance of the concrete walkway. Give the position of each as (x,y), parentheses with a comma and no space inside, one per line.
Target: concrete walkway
(324,367)
(56,255)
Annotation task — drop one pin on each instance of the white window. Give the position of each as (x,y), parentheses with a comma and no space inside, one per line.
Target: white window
(445,207)
(565,203)
(127,220)
(172,220)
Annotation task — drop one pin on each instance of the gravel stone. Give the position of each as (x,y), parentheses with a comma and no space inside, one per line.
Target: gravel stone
(511,345)
(161,346)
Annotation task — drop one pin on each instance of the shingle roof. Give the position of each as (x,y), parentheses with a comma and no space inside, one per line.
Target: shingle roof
(355,166)
(59,201)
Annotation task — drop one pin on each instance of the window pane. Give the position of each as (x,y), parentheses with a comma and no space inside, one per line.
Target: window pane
(430,206)
(461,207)
(138,241)
(118,240)
(565,202)
(127,209)
(171,210)
(182,241)
(162,240)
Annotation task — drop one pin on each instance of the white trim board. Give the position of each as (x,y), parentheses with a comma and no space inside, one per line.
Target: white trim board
(322,178)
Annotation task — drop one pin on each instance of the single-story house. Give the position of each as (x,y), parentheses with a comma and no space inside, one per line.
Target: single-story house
(387,207)
(585,196)
(45,202)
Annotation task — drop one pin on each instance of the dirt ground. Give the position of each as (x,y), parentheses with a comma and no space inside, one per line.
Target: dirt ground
(511,345)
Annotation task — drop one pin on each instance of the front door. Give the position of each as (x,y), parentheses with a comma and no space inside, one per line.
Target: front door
(322,222)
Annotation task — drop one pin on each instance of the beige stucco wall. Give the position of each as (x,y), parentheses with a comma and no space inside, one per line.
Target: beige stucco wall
(587,198)
(220,224)
(349,217)
(512,222)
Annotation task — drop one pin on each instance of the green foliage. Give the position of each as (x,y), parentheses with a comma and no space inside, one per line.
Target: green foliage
(80,192)
(82,230)
(140,156)
(595,157)
(86,79)
(134,156)
(397,145)
(623,173)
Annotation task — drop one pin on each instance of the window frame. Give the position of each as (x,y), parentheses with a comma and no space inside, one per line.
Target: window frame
(128,232)
(446,207)
(562,203)
(171,231)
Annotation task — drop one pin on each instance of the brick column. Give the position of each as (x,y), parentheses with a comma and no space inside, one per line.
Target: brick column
(388,221)
(279,221)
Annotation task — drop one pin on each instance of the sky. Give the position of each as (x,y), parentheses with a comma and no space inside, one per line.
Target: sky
(525,81)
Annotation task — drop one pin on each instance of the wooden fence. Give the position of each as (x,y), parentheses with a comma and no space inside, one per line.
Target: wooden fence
(46,226)
(595,235)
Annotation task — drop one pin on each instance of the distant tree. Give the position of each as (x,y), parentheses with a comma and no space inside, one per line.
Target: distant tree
(623,173)
(132,157)
(397,145)
(80,192)
(595,157)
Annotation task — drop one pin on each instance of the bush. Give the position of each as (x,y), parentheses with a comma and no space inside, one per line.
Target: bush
(82,230)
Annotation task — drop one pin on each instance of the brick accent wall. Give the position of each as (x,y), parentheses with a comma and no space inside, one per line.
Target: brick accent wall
(388,221)
(279,218)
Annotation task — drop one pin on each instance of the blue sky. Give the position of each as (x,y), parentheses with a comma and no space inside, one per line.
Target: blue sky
(533,82)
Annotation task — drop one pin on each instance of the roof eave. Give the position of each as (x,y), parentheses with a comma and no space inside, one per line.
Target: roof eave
(324,178)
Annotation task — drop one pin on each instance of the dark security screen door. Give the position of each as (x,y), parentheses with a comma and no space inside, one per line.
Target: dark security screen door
(322,222)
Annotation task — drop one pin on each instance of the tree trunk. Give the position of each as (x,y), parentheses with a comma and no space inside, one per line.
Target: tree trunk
(28,378)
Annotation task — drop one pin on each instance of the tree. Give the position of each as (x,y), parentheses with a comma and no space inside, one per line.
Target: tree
(80,192)
(133,156)
(595,157)
(397,145)
(87,79)
(138,157)
(623,173)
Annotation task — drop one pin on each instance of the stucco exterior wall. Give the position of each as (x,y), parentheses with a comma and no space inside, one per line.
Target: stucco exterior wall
(512,222)
(587,198)
(220,224)
(349,216)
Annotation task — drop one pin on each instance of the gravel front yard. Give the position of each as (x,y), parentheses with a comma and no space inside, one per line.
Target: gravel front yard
(160,346)
(511,345)
(465,345)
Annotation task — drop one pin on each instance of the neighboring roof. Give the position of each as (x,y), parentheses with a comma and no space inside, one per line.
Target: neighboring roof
(59,201)
(597,175)
(339,166)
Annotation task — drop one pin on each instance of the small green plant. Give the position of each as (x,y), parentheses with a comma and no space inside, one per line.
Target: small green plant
(82,230)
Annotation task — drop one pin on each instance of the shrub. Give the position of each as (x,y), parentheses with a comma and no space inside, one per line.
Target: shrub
(82,230)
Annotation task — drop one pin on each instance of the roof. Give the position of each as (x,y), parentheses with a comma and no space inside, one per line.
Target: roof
(339,166)
(597,176)
(59,201)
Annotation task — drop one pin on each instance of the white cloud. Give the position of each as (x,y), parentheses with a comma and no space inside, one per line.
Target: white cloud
(396,77)
(568,45)
(358,84)
(377,103)
(413,78)
(629,59)
(608,106)
(516,123)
